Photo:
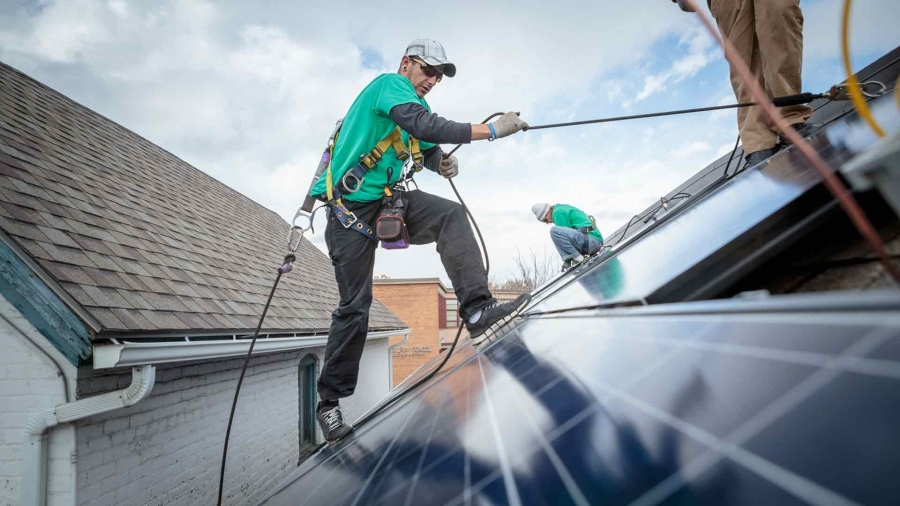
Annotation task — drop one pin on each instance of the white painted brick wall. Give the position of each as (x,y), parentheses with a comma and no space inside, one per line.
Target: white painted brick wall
(166,450)
(29,384)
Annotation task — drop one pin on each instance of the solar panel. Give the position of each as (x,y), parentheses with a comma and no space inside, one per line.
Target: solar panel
(690,237)
(786,400)
(716,407)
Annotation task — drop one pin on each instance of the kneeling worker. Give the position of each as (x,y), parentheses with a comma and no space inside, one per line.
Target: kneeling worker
(391,120)
(575,233)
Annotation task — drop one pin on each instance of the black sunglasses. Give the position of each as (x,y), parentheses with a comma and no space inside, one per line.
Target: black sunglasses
(429,70)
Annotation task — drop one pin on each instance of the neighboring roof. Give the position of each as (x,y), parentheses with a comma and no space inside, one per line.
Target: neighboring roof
(407,281)
(144,242)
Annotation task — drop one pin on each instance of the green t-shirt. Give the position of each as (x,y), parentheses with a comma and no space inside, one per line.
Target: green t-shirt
(367,122)
(567,216)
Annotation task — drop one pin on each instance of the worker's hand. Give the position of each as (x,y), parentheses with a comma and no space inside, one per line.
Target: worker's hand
(449,167)
(508,124)
(685,5)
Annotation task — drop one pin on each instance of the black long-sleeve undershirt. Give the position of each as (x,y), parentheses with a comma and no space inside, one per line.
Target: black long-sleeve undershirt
(418,122)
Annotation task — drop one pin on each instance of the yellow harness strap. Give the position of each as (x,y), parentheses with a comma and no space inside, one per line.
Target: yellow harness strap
(395,140)
(329,186)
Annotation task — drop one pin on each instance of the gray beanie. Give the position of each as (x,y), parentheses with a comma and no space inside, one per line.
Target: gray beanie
(540,211)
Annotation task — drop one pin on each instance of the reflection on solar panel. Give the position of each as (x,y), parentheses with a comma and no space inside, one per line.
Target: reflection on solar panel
(715,408)
(786,400)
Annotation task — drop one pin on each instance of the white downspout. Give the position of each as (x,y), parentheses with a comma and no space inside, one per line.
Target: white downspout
(34,475)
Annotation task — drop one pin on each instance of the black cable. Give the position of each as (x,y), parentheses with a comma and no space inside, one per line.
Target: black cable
(492,116)
(640,116)
(800,98)
(287,260)
(728,163)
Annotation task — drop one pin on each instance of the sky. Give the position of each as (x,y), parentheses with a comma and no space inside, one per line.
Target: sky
(248,92)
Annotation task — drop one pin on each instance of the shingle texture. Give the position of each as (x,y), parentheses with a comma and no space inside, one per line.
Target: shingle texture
(142,240)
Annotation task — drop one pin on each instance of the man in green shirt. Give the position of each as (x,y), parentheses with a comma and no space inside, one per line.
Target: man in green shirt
(575,233)
(388,102)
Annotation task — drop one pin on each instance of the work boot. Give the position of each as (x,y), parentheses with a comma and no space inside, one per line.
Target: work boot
(760,156)
(332,423)
(495,316)
(804,129)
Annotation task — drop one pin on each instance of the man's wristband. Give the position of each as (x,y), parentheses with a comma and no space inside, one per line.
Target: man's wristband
(493,133)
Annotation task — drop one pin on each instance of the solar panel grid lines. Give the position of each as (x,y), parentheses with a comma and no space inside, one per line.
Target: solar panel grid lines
(368,481)
(562,472)
(508,480)
(731,444)
(620,394)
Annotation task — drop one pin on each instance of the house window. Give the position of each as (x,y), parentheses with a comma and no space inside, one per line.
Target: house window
(307,402)
(452,313)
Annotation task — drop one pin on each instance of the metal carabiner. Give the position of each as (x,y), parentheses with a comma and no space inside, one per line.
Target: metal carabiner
(291,245)
(842,91)
(881,89)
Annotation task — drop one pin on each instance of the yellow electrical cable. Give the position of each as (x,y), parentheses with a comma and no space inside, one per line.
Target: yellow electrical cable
(897,92)
(862,108)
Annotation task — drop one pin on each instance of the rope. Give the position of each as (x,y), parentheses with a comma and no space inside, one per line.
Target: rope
(862,108)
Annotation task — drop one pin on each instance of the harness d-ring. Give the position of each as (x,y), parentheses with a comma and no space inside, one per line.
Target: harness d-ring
(358,181)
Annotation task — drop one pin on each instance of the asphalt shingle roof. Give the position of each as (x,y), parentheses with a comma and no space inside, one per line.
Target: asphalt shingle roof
(139,238)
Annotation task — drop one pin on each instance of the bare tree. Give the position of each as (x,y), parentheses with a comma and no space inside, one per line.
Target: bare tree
(530,271)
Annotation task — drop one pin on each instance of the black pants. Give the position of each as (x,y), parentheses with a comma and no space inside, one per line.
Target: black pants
(428,219)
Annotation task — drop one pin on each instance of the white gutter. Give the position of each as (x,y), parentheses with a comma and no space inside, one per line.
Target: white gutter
(34,476)
(391,359)
(131,353)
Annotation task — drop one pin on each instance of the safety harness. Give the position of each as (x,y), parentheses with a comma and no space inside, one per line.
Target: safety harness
(352,180)
(587,230)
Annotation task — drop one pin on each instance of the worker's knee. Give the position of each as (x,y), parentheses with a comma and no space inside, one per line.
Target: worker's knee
(558,232)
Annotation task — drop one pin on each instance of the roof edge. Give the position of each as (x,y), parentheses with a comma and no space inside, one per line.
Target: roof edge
(126,354)
(41,302)
(51,283)
(122,335)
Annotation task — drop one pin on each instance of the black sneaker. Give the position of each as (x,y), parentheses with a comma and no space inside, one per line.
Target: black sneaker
(803,129)
(495,316)
(760,156)
(332,423)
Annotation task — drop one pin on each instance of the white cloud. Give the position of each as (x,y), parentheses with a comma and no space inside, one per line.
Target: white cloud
(691,148)
(699,55)
(249,95)
(873,28)
(66,30)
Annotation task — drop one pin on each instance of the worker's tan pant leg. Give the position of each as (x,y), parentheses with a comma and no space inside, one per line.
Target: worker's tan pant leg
(767,34)
(779,29)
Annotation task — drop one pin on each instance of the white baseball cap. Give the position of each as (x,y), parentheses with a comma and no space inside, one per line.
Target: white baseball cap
(432,53)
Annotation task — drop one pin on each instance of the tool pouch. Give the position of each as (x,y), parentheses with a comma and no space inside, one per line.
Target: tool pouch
(390,228)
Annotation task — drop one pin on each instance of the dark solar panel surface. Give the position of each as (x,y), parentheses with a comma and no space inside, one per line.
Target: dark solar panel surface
(707,409)
(790,400)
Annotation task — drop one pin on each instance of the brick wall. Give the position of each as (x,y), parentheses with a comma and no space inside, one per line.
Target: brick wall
(417,305)
(29,384)
(167,449)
